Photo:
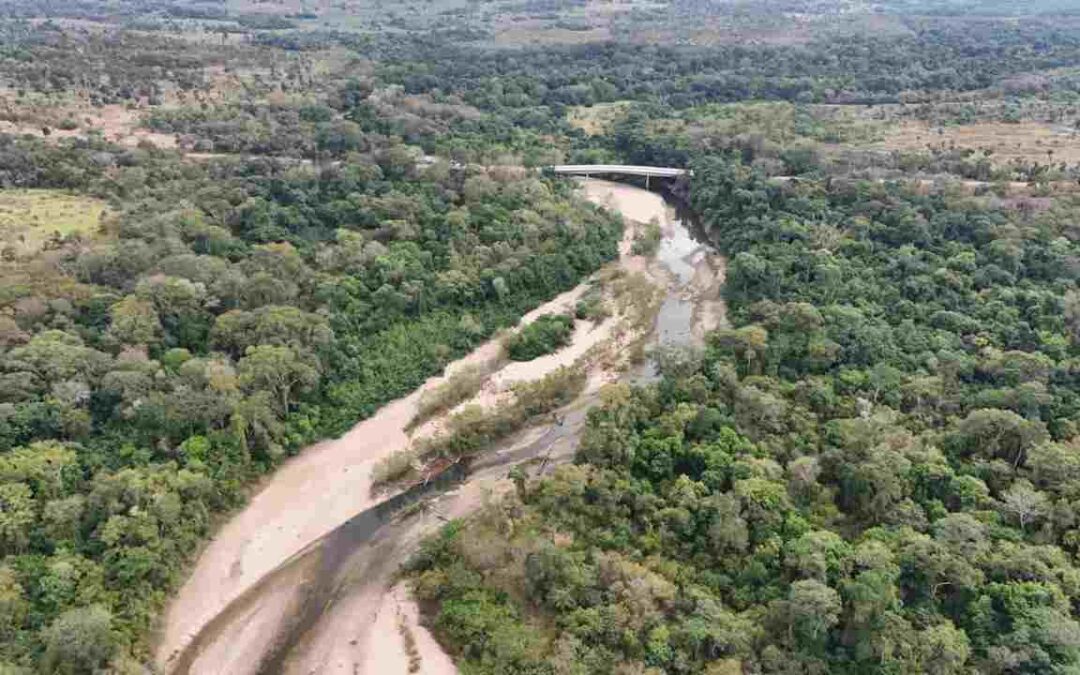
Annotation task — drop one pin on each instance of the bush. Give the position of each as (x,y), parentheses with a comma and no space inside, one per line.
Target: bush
(648,240)
(591,306)
(393,467)
(459,387)
(543,336)
(475,429)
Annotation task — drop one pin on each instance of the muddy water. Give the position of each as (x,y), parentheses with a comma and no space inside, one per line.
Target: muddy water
(323,605)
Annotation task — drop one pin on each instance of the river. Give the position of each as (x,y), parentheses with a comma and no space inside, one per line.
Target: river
(301,580)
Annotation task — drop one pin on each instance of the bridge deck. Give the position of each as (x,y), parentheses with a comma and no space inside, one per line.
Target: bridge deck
(625,169)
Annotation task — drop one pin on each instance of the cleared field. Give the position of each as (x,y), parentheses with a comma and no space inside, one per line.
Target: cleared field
(529,32)
(1027,141)
(29,218)
(775,122)
(596,119)
(68,116)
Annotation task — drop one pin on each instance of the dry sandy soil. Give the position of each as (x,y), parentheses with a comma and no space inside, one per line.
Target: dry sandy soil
(312,494)
(228,595)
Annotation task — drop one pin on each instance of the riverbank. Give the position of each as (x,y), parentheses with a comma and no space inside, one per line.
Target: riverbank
(242,598)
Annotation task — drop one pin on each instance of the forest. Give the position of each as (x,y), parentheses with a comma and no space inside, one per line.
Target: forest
(869,473)
(227,315)
(294,214)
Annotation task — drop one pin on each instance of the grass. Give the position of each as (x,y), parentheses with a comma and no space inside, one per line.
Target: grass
(1028,140)
(778,123)
(475,429)
(647,241)
(596,119)
(460,386)
(394,467)
(30,218)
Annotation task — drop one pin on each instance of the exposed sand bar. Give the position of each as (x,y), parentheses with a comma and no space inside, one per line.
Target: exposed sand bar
(371,626)
(324,486)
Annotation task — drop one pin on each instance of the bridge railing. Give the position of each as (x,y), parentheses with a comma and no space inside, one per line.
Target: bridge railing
(621,169)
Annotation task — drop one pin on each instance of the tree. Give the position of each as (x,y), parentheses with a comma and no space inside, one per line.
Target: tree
(277,370)
(79,641)
(1024,502)
(943,649)
(812,609)
(16,517)
(963,534)
(748,344)
(1071,302)
(135,321)
(818,554)
(55,355)
(236,330)
(999,433)
(13,603)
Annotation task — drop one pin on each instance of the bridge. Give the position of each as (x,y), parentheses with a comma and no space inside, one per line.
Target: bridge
(619,169)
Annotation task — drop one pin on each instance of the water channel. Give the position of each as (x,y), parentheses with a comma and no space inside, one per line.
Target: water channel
(317,610)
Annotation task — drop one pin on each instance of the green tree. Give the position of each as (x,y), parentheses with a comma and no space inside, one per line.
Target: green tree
(80,640)
(277,370)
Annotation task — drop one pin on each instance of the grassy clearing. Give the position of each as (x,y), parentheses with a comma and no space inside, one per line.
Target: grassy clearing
(596,119)
(30,218)
(778,123)
(1026,141)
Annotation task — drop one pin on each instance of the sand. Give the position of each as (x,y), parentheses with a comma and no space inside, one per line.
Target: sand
(320,489)
(310,495)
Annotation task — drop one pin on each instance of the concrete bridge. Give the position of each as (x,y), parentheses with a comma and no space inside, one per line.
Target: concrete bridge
(619,169)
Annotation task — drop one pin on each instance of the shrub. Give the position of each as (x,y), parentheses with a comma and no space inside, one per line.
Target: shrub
(393,467)
(648,240)
(459,387)
(591,306)
(543,336)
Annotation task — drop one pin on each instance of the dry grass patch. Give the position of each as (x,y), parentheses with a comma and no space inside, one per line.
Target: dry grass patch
(30,218)
(459,387)
(56,117)
(596,119)
(1026,141)
(517,30)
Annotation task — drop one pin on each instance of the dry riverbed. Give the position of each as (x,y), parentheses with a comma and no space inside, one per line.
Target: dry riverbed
(299,582)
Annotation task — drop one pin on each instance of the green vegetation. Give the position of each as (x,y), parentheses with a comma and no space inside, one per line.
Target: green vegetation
(462,385)
(870,473)
(240,310)
(30,218)
(647,241)
(543,336)
(475,429)
(591,306)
